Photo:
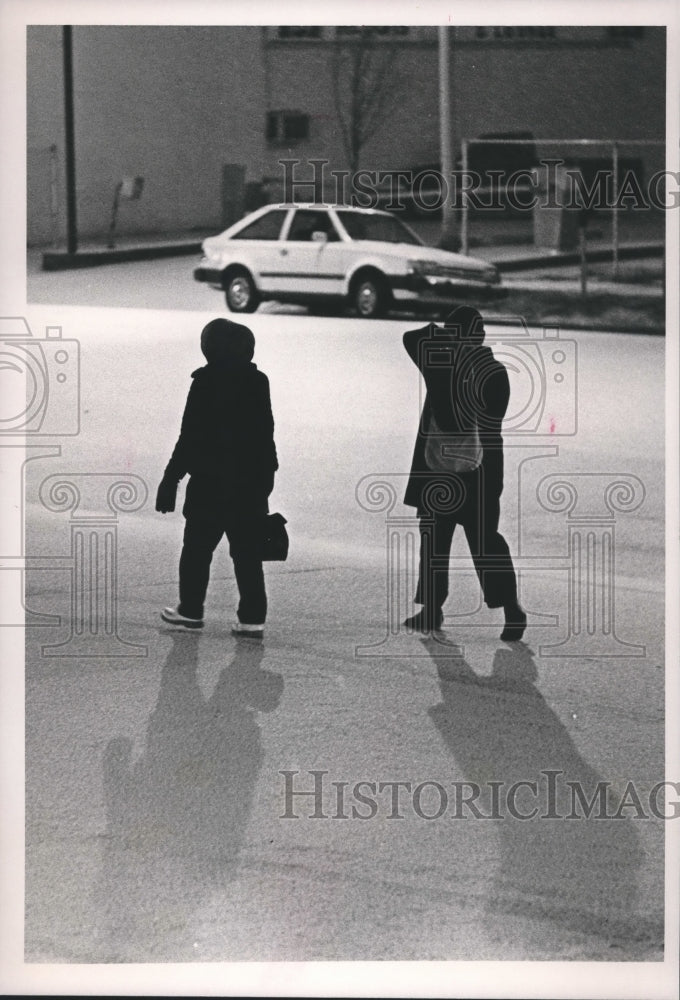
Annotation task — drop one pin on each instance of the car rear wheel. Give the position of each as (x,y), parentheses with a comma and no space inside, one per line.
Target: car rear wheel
(240,292)
(369,296)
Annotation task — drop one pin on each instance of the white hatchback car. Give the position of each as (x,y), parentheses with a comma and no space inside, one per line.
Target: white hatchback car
(367,258)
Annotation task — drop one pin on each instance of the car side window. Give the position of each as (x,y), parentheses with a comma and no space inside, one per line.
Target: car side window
(267,227)
(306,222)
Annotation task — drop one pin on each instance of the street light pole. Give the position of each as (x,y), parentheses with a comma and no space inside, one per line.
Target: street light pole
(448,239)
(69,140)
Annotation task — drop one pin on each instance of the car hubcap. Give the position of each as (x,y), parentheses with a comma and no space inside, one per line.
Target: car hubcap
(367,299)
(239,293)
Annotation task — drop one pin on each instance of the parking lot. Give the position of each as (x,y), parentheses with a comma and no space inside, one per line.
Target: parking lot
(156,782)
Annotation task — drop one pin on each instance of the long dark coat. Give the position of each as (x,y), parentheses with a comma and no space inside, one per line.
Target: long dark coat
(226,443)
(463,382)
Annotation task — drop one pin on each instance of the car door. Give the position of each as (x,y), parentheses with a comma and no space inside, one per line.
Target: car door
(301,267)
(255,246)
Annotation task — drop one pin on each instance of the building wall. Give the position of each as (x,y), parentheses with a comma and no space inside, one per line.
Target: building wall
(579,84)
(175,104)
(44,134)
(300,77)
(593,91)
(171,104)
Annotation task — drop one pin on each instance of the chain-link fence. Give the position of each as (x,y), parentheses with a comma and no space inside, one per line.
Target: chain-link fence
(509,189)
(546,189)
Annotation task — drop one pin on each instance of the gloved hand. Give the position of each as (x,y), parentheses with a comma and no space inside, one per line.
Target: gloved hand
(166,496)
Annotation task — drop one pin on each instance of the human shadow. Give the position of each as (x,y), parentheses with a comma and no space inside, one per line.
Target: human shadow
(574,875)
(176,816)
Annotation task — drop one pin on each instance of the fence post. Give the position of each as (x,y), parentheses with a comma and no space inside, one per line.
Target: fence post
(615,209)
(464,203)
(582,256)
(54,194)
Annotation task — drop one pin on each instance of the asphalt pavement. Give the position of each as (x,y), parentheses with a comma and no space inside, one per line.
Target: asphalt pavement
(201,798)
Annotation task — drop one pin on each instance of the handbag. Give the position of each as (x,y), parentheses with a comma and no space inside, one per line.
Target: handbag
(274,538)
(446,452)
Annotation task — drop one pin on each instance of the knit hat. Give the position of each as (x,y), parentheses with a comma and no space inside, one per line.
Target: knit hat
(222,340)
(465,323)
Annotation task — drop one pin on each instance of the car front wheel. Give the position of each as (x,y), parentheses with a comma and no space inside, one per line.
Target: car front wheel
(369,296)
(240,292)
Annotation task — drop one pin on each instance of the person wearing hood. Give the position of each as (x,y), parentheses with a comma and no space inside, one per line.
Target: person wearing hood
(226,446)
(457,469)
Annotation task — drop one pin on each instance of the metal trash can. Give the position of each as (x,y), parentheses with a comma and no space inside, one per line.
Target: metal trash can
(556,215)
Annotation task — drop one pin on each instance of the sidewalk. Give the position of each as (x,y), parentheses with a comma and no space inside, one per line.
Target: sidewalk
(141,246)
(505,242)
(509,244)
(544,285)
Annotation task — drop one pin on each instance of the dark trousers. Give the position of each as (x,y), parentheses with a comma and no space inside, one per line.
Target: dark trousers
(489,551)
(205,526)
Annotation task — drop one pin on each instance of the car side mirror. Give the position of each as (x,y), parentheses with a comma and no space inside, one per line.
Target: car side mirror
(319,237)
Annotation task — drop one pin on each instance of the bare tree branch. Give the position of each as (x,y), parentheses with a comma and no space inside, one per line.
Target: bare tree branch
(363,85)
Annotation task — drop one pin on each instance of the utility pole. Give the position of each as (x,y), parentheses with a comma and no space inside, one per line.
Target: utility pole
(448,239)
(70,143)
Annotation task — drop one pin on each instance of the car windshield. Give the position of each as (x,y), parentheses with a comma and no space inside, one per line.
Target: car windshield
(383,228)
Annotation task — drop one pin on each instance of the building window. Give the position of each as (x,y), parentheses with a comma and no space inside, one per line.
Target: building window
(298,31)
(371,31)
(286,127)
(307,222)
(626,32)
(267,227)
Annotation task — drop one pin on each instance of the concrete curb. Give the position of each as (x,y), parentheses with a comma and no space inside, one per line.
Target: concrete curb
(589,326)
(61,260)
(570,257)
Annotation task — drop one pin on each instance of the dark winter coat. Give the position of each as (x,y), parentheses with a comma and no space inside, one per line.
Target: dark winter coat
(464,383)
(226,442)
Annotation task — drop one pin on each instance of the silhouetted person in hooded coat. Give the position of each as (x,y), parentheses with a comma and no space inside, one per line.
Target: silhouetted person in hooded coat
(226,444)
(457,469)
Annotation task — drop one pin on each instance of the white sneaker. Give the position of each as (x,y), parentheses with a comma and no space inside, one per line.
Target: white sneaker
(248,631)
(173,617)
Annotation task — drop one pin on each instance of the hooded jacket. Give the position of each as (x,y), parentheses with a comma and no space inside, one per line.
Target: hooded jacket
(226,443)
(464,383)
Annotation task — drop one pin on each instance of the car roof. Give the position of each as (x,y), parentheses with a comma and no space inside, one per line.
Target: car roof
(325,205)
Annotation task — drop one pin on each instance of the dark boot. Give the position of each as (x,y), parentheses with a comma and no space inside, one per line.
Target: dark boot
(427,620)
(515,623)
